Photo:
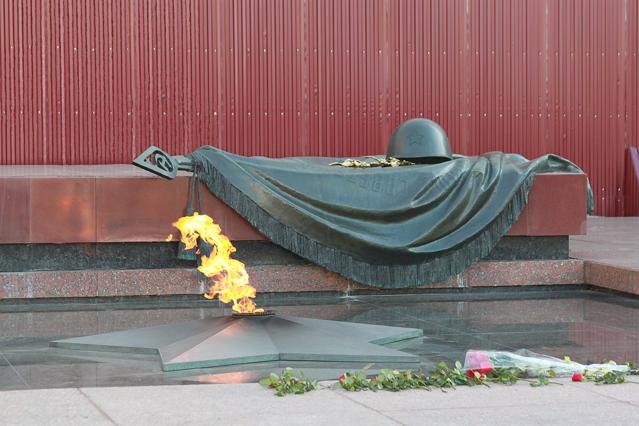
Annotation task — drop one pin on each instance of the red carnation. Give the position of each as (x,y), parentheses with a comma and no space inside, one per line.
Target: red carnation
(577,377)
(342,378)
(480,371)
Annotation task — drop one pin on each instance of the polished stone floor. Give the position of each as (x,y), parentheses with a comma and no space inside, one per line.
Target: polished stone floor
(586,325)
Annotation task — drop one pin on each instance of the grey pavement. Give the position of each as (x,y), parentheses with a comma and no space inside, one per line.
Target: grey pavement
(251,404)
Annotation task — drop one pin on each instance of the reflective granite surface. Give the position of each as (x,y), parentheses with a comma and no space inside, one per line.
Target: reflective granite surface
(585,325)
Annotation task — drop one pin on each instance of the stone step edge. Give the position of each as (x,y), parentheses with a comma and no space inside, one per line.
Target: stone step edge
(269,278)
(616,278)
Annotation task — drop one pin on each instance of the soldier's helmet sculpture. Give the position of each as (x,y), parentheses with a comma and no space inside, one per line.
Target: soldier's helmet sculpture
(421,141)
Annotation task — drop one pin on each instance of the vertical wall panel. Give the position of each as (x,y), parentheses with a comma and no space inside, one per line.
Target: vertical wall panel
(631,188)
(95,82)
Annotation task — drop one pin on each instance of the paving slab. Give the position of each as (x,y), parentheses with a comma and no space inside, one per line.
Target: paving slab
(50,407)
(627,392)
(241,404)
(250,404)
(495,397)
(608,413)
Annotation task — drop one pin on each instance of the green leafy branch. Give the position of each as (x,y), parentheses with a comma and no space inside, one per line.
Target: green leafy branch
(288,383)
(354,381)
(543,379)
(442,376)
(505,376)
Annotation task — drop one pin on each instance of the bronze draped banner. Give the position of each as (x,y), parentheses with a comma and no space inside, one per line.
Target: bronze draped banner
(391,227)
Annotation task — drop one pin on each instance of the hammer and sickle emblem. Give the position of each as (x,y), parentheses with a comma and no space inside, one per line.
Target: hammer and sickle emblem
(162,161)
(156,161)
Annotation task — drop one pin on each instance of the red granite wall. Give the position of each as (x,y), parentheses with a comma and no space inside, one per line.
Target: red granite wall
(121,203)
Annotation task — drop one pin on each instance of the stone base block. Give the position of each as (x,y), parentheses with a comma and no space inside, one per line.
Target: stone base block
(267,279)
(625,280)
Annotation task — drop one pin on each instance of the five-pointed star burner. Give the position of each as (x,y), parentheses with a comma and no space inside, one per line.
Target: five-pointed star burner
(226,340)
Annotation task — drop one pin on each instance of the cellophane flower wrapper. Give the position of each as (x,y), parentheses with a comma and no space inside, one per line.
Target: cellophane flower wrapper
(531,363)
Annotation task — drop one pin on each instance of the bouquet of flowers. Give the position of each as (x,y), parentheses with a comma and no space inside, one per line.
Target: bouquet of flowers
(532,364)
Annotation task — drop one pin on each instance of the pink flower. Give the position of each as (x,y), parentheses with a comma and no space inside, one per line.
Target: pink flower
(478,361)
(577,377)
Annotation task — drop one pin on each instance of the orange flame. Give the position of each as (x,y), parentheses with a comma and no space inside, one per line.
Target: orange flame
(230,279)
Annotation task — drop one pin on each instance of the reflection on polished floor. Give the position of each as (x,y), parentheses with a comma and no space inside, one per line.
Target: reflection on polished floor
(586,325)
